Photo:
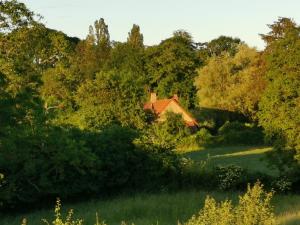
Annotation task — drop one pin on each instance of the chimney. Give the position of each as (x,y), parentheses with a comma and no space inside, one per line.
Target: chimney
(153,97)
(175,97)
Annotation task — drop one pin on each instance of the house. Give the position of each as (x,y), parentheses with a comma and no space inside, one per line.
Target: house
(161,106)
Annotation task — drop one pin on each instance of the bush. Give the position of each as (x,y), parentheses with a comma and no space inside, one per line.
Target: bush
(282,184)
(67,162)
(240,133)
(253,208)
(43,163)
(203,136)
(187,144)
(166,134)
(58,217)
(229,177)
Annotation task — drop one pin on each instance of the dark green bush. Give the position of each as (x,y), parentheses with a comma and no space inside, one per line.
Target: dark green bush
(52,161)
(213,119)
(166,134)
(229,177)
(240,133)
(67,162)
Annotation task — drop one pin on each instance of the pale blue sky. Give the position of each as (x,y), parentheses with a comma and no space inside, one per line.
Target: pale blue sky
(204,19)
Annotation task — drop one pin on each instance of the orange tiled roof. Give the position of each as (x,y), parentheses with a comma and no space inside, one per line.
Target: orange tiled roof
(159,106)
(191,124)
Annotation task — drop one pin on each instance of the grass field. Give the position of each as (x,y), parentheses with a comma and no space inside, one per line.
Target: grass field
(248,157)
(169,208)
(147,209)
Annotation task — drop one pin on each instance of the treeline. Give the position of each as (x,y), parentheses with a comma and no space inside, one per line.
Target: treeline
(71,110)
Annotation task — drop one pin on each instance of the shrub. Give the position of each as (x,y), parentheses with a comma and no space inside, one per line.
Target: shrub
(41,165)
(58,217)
(203,136)
(166,134)
(187,144)
(229,177)
(197,174)
(240,133)
(213,213)
(254,208)
(282,184)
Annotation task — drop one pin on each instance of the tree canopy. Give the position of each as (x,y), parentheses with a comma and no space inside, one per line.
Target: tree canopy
(232,83)
(171,67)
(280,104)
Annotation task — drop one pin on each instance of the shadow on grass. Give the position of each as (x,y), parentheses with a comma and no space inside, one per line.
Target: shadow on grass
(293,221)
(248,157)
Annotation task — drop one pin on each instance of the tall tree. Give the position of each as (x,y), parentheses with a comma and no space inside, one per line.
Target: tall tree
(102,38)
(280,104)
(135,38)
(19,65)
(171,67)
(93,52)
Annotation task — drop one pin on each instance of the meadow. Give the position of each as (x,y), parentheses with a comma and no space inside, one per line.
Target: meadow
(251,158)
(171,208)
(147,209)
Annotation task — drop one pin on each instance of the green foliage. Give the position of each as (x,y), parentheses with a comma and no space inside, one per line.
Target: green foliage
(240,133)
(13,15)
(166,134)
(103,162)
(42,163)
(58,217)
(72,109)
(135,38)
(111,98)
(279,107)
(99,37)
(171,68)
(229,177)
(282,184)
(203,135)
(92,53)
(254,208)
(232,83)
(218,46)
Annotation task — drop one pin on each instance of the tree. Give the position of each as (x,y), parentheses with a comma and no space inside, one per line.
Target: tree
(232,83)
(135,38)
(112,98)
(128,59)
(59,78)
(102,38)
(171,68)
(218,46)
(20,75)
(13,15)
(280,104)
(93,52)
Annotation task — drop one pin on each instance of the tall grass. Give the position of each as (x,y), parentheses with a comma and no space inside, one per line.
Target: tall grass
(147,209)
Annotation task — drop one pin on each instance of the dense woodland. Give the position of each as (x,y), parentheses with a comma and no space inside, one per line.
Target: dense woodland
(71,111)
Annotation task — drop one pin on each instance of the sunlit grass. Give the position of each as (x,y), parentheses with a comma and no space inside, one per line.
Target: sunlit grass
(147,209)
(169,208)
(248,157)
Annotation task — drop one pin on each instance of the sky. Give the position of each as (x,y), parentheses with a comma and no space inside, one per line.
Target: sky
(158,19)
